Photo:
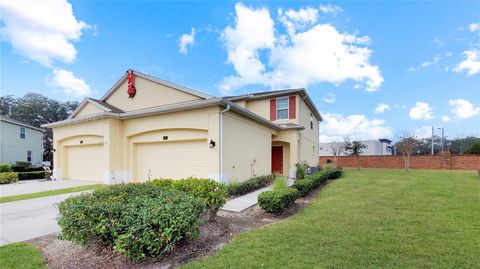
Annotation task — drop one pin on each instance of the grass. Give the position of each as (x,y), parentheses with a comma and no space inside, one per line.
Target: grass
(21,256)
(48,193)
(279,183)
(371,219)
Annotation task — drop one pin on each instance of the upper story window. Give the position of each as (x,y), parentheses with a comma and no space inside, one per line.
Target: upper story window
(282,108)
(22,133)
(311,121)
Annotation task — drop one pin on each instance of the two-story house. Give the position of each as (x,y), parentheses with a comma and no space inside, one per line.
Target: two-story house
(145,128)
(20,142)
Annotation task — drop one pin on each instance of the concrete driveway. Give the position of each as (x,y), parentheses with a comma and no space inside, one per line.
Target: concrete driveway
(28,219)
(32,186)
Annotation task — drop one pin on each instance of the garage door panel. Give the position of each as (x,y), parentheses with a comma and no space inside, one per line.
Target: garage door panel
(85,162)
(171,159)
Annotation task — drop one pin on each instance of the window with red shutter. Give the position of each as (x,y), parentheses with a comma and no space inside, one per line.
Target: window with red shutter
(292,107)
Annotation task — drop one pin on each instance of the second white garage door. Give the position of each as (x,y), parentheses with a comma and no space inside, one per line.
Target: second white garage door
(85,162)
(176,160)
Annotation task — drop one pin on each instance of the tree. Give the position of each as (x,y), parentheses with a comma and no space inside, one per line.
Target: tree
(354,148)
(406,145)
(336,149)
(474,149)
(460,145)
(36,109)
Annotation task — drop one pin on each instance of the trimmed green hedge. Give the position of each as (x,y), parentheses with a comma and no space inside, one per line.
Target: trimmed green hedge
(31,175)
(8,177)
(335,174)
(252,184)
(5,168)
(278,200)
(139,220)
(304,186)
(210,191)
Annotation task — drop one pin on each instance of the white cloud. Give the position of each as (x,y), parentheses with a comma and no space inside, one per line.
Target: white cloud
(43,31)
(381,107)
(471,63)
(423,132)
(329,98)
(186,40)
(445,118)
(299,59)
(329,8)
(294,20)
(355,127)
(69,83)
(474,27)
(436,59)
(421,111)
(463,108)
(438,41)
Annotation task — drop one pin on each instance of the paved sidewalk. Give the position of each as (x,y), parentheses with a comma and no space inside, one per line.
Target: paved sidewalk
(32,186)
(28,219)
(248,200)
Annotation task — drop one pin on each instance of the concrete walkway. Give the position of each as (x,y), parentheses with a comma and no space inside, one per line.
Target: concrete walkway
(248,200)
(28,219)
(32,186)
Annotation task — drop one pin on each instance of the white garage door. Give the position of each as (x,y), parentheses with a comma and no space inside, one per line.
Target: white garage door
(171,159)
(85,162)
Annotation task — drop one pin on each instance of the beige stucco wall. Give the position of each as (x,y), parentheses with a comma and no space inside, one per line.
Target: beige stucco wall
(309,138)
(247,148)
(88,109)
(262,108)
(14,149)
(149,94)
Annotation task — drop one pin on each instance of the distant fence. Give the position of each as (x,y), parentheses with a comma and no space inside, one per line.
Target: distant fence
(441,161)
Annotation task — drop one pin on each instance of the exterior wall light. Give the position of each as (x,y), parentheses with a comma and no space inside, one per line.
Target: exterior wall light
(211,144)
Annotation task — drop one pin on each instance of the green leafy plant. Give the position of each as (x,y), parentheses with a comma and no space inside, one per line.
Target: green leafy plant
(5,168)
(139,220)
(8,177)
(31,175)
(304,186)
(277,201)
(302,168)
(21,166)
(240,188)
(279,183)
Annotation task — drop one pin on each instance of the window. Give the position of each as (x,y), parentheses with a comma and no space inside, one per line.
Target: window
(22,132)
(29,156)
(321,148)
(282,108)
(311,121)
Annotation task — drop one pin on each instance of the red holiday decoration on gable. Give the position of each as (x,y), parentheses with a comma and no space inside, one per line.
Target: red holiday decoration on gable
(131,87)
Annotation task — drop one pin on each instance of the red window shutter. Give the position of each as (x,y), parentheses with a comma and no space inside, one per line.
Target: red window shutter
(273,109)
(292,112)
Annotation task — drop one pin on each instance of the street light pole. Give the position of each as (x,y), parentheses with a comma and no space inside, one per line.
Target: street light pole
(443,129)
(432,140)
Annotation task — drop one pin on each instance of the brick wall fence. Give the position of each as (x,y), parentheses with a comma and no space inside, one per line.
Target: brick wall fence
(441,161)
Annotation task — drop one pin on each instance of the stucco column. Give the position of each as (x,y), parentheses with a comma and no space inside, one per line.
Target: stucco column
(115,171)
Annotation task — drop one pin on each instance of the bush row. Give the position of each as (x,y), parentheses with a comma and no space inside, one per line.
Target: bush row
(210,191)
(31,175)
(252,184)
(5,168)
(278,200)
(139,220)
(8,177)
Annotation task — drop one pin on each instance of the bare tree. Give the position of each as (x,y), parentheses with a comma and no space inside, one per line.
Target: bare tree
(336,149)
(406,145)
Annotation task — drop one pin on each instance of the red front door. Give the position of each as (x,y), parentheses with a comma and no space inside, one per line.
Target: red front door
(277,160)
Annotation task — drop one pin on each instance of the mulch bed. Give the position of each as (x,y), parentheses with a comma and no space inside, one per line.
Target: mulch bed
(64,254)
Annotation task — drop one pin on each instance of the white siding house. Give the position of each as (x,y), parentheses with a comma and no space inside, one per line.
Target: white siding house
(20,142)
(372,147)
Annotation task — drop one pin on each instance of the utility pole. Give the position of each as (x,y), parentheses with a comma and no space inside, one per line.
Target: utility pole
(443,129)
(432,140)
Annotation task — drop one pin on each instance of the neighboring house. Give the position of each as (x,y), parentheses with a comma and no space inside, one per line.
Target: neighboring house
(372,147)
(20,142)
(169,131)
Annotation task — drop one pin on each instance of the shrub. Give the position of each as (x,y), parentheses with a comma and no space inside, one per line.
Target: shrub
(8,177)
(5,168)
(138,220)
(304,186)
(302,169)
(163,182)
(31,175)
(300,173)
(279,183)
(249,185)
(277,201)
(319,178)
(21,166)
(335,174)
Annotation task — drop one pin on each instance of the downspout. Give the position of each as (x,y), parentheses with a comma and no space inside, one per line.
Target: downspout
(221,141)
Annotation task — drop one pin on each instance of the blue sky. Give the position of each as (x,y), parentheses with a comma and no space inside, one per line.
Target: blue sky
(374,69)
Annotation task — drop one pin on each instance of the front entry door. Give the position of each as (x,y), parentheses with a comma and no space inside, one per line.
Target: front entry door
(277,160)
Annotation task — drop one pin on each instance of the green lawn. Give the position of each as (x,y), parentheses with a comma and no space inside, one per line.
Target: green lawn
(371,219)
(21,256)
(49,193)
